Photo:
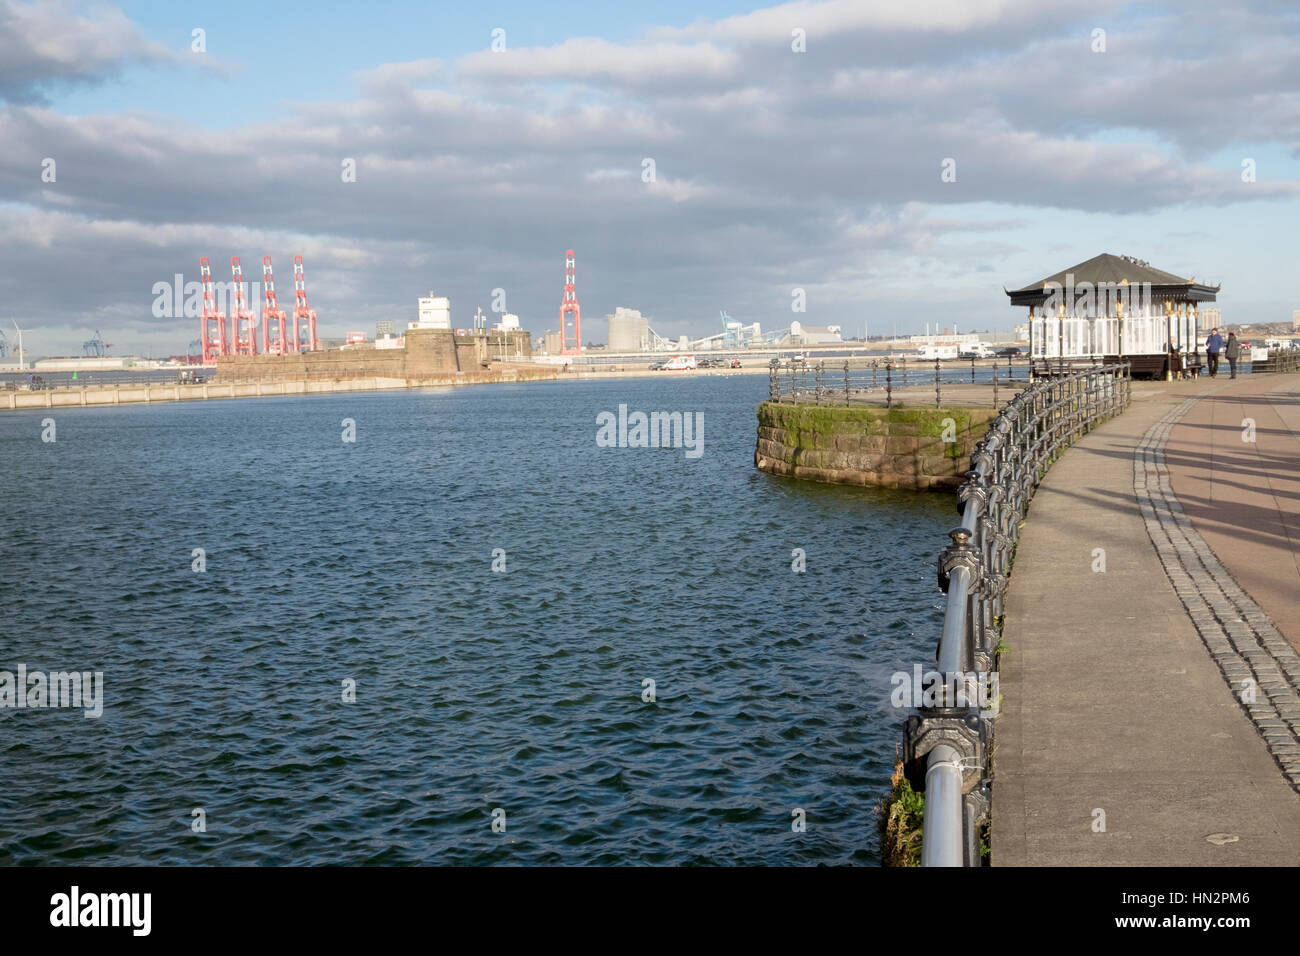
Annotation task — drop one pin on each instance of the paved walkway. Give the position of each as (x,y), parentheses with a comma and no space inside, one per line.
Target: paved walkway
(1243,497)
(1116,689)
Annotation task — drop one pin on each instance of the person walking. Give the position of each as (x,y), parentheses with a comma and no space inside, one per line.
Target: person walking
(1213,346)
(1233,352)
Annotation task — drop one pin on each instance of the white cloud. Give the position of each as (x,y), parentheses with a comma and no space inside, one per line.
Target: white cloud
(590,59)
(45,44)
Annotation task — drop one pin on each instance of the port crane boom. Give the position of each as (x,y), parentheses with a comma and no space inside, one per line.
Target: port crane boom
(212,331)
(245,327)
(274,339)
(302,312)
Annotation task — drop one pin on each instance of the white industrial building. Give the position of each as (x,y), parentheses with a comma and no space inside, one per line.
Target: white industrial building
(801,334)
(434,313)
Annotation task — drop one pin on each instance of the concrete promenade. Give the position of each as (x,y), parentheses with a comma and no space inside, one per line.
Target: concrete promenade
(1156,697)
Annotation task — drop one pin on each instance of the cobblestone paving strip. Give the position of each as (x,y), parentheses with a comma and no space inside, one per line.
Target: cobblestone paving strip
(1240,637)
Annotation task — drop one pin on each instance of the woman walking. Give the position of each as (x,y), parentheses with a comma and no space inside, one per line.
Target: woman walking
(1233,352)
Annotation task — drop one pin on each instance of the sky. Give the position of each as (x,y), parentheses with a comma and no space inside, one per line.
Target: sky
(697,156)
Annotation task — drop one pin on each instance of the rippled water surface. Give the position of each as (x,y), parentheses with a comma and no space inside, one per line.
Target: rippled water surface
(372,561)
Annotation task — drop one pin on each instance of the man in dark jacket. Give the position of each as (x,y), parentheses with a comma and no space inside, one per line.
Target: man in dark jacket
(1213,346)
(1233,352)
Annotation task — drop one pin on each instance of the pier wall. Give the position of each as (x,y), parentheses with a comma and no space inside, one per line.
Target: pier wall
(914,448)
(428,352)
(169,392)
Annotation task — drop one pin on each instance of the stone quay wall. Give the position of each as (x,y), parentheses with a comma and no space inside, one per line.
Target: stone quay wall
(900,447)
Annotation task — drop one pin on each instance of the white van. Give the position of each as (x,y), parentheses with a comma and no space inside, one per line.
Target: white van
(932,352)
(679,363)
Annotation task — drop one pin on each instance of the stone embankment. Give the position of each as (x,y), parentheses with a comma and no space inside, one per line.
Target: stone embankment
(900,447)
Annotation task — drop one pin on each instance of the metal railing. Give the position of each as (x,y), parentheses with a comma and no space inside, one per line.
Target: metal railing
(1279,360)
(846,383)
(954,737)
(66,384)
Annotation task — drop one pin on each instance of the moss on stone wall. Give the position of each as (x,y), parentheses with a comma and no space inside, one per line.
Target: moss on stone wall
(899,447)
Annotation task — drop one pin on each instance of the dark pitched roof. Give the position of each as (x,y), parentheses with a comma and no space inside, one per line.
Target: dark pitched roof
(1108,268)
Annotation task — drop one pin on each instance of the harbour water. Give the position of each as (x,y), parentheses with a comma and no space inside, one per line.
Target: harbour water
(327,562)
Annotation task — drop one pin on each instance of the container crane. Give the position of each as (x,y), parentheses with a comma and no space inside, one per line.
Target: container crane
(212,331)
(302,312)
(570,304)
(243,325)
(275,341)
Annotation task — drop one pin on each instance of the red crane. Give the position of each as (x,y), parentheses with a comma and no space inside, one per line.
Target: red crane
(212,331)
(303,312)
(570,304)
(243,325)
(275,341)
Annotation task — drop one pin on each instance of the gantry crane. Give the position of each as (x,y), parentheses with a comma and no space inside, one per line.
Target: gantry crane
(212,332)
(96,347)
(567,305)
(302,312)
(275,341)
(243,325)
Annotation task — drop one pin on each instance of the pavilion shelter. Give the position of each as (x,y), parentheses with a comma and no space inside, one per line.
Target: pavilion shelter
(1113,309)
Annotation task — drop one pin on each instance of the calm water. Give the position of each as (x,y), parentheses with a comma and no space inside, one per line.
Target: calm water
(372,561)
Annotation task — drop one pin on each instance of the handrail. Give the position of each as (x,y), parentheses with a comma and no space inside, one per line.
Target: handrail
(1279,360)
(848,382)
(953,736)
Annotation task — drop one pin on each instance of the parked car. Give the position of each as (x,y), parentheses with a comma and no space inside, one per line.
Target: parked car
(1009,352)
(735,363)
(656,366)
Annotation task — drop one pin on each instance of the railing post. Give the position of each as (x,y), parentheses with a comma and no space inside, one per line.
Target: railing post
(938,399)
(846,381)
(889,385)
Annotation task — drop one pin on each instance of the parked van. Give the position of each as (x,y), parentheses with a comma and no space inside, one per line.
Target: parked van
(679,363)
(932,352)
